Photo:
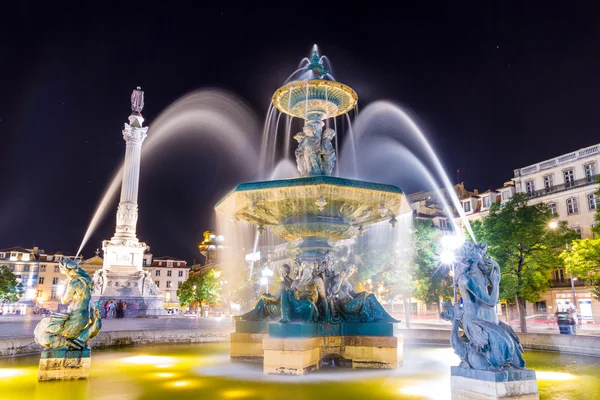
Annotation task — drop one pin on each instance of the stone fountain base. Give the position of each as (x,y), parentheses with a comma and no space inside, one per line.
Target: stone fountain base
(299,348)
(64,365)
(468,384)
(299,356)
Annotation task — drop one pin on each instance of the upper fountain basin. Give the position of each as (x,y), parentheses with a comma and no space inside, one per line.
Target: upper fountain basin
(314,206)
(315,99)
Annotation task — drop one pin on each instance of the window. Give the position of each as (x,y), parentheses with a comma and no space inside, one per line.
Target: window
(180,274)
(169,263)
(530,188)
(177,264)
(590,172)
(444,224)
(592,201)
(160,263)
(26,268)
(485,202)
(552,208)
(2,255)
(577,229)
(559,275)
(53,295)
(169,273)
(548,183)
(157,273)
(168,284)
(39,293)
(144,263)
(42,268)
(55,281)
(56,268)
(572,207)
(157,283)
(467,206)
(505,195)
(41,280)
(569,178)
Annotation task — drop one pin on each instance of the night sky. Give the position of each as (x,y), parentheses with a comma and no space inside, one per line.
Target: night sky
(497,87)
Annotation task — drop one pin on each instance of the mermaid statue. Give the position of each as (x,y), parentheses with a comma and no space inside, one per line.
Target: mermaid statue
(71,330)
(487,344)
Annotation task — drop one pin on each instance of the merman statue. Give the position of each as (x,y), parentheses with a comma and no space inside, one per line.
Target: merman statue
(268,306)
(71,330)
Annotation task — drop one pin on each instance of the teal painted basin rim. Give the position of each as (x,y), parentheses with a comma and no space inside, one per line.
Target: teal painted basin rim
(314,180)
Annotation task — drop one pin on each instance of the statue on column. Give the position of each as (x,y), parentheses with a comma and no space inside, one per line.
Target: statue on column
(490,344)
(71,330)
(137,100)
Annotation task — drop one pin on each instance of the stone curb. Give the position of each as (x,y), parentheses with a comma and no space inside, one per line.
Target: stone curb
(27,345)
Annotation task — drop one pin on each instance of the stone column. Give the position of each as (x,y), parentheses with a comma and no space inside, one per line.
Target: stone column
(127,212)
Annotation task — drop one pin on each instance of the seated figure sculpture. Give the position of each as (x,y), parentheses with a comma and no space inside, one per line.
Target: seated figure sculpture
(71,330)
(298,303)
(351,306)
(268,306)
(488,344)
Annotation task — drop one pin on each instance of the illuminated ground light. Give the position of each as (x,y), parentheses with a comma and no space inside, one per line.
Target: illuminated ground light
(164,375)
(554,376)
(157,361)
(10,372)
(236,394)
(425,389)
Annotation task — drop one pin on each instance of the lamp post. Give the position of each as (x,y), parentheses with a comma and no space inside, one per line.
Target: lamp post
(553,225)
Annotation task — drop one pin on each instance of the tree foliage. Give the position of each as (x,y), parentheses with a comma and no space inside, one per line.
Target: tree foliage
(527,250)
(200,289)
(432,279)
(10,289)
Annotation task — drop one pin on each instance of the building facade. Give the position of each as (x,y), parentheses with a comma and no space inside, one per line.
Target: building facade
(43,283)
(168,274)
(567,184)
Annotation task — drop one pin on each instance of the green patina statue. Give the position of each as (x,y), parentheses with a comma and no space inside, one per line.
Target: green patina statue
(268,307)
(71,330)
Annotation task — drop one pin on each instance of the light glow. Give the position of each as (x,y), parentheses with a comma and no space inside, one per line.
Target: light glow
(263,280)
(180,383)
(554,376)
(10,372)
(236,394)
(553,225)
(447,257)
(164,375)
(158,361)
(452,242)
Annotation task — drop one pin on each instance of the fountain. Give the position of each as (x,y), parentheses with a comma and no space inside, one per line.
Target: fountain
(315,314)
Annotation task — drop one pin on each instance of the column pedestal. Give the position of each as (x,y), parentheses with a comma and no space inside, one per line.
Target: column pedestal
(64,365)
(469,384)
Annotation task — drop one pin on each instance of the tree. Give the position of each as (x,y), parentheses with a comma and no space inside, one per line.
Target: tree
(520,240)
(431,278)
(583,259)
(10,289)
(200,289)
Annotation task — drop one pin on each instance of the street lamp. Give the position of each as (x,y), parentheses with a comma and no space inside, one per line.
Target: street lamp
(553,225)
(266,274)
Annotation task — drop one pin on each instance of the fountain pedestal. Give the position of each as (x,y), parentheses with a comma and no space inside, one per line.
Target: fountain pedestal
(64,365)
(246,343)
(469,384)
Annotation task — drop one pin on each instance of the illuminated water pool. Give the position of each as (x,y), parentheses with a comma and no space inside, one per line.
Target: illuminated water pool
(203,371)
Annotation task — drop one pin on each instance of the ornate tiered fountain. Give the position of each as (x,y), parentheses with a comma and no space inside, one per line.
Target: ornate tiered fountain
(315,314)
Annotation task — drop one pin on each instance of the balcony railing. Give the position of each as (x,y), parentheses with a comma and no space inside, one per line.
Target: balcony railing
(581,153)
(567,283)
(563,187)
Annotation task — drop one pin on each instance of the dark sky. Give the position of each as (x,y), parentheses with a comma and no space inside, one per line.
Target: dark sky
(497,87)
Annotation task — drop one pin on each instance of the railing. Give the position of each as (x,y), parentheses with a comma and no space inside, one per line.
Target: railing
(588,151)
(566,283)
(563,187)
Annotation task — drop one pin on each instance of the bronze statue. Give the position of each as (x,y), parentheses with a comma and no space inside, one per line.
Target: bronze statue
(71,330)
(268,306)
(490,344)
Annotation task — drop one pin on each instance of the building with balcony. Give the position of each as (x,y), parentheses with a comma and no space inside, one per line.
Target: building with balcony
(567,184)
